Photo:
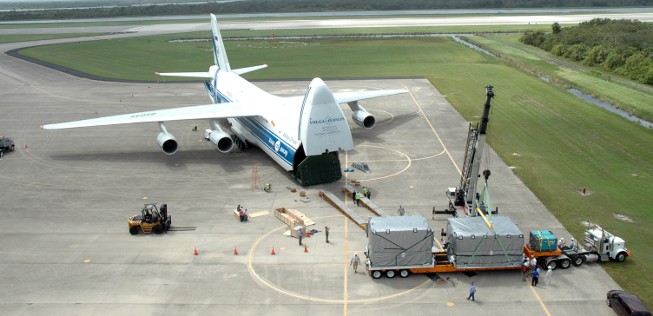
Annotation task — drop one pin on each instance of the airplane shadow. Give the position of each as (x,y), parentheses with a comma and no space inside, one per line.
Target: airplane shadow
(383,126)
(234,162)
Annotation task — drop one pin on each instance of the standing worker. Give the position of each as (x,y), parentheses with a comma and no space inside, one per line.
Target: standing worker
(533,263)
(365,191)
(401,210)
(353,196)
(572,244)
(549,275)
(299,235)
(358,199)
(355,260)
(472,291)
(524,268)
(535,277)
(326,232)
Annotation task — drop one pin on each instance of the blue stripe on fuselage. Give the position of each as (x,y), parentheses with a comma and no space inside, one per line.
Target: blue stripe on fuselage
(267,137)
(282,149)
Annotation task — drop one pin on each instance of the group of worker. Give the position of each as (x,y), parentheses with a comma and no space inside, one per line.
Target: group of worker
(562,244)
(530,266)
(357,196)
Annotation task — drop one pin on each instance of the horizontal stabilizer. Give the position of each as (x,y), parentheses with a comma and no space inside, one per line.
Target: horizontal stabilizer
(248,69)
(203,75)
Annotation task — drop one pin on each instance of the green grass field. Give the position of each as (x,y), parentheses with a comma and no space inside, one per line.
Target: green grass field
(563,144)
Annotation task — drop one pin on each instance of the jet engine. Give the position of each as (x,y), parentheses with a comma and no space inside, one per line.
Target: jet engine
(221,141)
(167,142)
(364,119)
(219,138)
(360,116)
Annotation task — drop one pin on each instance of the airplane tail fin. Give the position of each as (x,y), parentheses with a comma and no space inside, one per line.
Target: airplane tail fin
(322,124)
(219,53)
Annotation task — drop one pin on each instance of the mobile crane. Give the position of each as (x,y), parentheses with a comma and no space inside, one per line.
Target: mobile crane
(466,194)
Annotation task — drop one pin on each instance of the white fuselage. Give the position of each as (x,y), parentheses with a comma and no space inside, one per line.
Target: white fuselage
(275,131)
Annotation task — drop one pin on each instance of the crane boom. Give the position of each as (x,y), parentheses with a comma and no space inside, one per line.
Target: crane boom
(466,193)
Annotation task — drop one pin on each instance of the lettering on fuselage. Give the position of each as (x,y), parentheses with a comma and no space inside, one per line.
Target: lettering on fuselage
(290,139)
(326,125)
(139,115)
(328,120)
(279,149)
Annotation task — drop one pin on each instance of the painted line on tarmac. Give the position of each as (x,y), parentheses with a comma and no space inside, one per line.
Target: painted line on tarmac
(434,131)
(539,299)
(344,301)
(396,173)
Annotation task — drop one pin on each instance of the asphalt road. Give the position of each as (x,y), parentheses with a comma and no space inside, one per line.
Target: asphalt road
(66,196)
(275,24)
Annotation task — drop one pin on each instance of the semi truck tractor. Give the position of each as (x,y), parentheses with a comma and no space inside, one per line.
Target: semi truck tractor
(598,245)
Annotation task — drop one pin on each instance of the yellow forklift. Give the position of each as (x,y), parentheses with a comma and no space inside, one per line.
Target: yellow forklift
(151,219)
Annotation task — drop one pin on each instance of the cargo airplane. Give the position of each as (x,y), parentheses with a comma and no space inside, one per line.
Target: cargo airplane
(303,134)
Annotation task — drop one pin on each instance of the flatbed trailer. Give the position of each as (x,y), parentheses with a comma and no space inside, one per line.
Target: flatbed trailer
(441,264)
(554,258)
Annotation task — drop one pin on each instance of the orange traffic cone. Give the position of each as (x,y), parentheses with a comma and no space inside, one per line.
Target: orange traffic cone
(235,251)
(196,252)
(273,253)
(305,248)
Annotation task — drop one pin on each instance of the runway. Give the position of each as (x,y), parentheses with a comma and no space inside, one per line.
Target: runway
(66,196)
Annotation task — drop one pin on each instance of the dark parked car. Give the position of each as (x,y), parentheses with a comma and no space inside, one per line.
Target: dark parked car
(627,304)
(6,144)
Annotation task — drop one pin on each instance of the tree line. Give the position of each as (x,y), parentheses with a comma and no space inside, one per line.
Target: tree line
(624,47)
(263,6)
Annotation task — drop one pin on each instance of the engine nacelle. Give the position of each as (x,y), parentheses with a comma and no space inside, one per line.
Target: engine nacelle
(364,119)
(221,141)
(167,142)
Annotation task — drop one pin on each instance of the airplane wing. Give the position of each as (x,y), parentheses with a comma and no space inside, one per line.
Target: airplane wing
(345,97)
(222,110)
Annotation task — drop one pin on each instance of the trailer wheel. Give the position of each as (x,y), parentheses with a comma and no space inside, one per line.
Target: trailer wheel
(578,260)
(404,273)
(621,257)
(133,230)
(565,263)
(376,274)
(553,264)
(390,274)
